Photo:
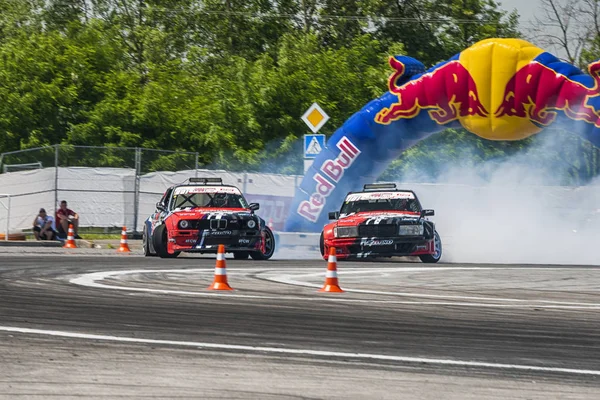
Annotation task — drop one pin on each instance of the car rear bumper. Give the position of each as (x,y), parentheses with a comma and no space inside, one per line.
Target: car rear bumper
(347,248)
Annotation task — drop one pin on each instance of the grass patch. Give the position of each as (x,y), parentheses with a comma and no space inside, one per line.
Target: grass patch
(99,236)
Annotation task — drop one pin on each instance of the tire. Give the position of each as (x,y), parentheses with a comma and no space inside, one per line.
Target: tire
(146,244)
(240,255)
(322,245)
(433,258)
(159,241)
(269,247)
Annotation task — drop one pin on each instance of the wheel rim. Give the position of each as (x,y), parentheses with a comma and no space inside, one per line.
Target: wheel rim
(438,246)
(269,244)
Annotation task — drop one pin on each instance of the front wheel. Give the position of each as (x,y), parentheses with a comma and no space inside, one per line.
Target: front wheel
(159,241)
(322,245)
(435,257)
(146,244)
(269,247)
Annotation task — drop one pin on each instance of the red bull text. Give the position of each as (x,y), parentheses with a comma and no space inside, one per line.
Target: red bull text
(333,170)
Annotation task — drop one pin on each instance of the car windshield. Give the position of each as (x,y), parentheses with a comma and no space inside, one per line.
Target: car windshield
(214,197)
(380,201)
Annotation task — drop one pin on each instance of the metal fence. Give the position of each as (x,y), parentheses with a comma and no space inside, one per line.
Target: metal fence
(115,185)
(141,160)
(63,155)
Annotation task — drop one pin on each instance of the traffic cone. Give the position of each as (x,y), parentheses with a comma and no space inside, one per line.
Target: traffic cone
(270,224)
(220,282)
(124,246)
(331,279)
(70,244)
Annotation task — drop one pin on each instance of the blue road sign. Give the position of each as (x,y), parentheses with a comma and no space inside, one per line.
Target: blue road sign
(313,144)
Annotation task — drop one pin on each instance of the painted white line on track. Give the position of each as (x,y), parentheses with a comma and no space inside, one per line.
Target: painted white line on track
(286,279)
(317,353)
(92,280)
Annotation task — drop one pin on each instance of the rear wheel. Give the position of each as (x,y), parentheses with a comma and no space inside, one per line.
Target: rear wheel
(435,257)
(269,247)
(159,241)
(241,255)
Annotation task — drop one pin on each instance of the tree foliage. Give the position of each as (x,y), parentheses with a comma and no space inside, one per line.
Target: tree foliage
(228,79)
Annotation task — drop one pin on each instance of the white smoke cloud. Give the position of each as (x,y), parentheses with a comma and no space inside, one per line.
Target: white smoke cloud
(514,211)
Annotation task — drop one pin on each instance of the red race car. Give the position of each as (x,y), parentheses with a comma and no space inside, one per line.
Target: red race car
(203,213)
(382,221)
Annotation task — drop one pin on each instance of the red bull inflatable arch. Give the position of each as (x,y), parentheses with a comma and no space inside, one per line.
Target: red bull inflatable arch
(498,89)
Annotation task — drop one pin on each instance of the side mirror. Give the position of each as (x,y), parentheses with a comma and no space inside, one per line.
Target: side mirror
(334,215)
(253,206)
(428,213)
(160,206)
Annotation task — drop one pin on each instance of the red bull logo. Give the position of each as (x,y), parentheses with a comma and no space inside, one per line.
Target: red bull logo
(449,93)
(537,92)
(334,170)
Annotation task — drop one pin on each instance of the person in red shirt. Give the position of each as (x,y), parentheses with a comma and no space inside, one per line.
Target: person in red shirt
(64,217)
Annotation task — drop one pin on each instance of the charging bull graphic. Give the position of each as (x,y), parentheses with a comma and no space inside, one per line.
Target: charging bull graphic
(460,100)
(498,89)
(542,93)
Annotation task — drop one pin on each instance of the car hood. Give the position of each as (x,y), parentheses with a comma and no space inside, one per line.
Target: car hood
(378,218)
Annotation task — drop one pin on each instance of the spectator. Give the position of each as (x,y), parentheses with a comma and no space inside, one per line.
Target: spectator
(43,226)
(64,217)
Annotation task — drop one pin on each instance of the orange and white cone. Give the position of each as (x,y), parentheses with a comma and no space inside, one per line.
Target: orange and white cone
(331,279)
(70,244)
(124,246)
(220,281)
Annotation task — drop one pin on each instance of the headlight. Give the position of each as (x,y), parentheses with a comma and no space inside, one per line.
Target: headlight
(410,230)
(183,224)
(345,231)
(251,224)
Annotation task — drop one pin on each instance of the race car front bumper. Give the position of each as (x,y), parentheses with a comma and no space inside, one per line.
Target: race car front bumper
(347,248)
(209,241)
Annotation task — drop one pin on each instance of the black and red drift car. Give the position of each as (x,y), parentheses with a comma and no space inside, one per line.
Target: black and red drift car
(382,221)
(203,213)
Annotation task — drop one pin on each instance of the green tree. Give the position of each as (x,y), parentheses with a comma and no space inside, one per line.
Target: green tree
(18,17)
(469,21)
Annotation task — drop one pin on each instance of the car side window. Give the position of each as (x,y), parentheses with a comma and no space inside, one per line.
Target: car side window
(167,198)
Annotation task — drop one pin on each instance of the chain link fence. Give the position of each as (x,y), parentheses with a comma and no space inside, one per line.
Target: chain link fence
(63,155)
(116,186)
(129,162)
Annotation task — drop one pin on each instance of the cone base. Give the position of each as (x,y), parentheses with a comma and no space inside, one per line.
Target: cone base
(331,288)
(69,246)
(124,250)
(220,286)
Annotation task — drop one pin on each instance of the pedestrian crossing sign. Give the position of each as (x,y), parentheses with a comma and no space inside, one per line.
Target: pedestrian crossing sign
(313,144)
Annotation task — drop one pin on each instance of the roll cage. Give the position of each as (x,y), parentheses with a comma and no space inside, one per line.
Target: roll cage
(167,201)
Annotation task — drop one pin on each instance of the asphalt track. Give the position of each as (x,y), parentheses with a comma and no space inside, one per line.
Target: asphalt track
(95,325)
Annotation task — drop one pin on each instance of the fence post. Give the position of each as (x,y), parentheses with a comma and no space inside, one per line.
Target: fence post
(245,184)
(56,149)
(136,193)
(7,206)
(196,166)
(7,219)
